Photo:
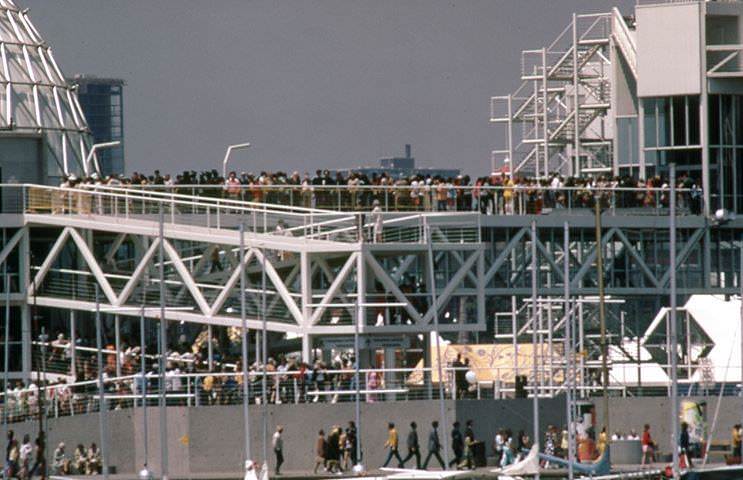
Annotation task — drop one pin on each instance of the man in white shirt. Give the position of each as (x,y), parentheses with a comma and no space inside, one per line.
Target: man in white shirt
(278,448)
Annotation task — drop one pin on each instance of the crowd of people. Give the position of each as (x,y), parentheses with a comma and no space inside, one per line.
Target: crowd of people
(497,193)
(24,460)
(337,451)
(189,378)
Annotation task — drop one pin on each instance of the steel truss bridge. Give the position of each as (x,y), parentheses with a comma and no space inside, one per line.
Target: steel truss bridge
(322,269)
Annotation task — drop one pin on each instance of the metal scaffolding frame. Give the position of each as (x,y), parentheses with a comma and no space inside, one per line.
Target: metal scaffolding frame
(559,115)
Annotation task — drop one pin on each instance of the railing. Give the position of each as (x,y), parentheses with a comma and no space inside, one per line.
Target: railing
(623,38)
(320,385)
(282,219)
(329,204)
(725,61)
(288,387)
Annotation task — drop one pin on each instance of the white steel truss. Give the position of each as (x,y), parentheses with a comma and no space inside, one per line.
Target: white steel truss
(560,119)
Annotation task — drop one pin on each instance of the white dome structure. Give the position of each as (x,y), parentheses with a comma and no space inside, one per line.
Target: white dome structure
(43,132)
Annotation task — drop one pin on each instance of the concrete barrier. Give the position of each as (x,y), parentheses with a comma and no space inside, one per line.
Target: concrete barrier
(209,439)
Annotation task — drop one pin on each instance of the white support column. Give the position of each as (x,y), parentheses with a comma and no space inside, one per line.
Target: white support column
(210,348)
(305,283)
(703,109)
(361,287)
(117,343)
(306,348)
(576,100)
(641,137)
(545,114)
(73,345)
(510,136)
(481,288)
(24,274)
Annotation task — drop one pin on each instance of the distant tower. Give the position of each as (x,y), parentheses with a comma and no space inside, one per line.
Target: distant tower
(43,133)
(102,102)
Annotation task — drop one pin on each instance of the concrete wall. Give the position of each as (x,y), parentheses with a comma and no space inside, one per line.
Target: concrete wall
(84,429)
(632,413)
(668,49)
(516,414)
(210,439)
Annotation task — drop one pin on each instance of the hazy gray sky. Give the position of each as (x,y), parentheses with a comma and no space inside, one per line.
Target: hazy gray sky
(311,83)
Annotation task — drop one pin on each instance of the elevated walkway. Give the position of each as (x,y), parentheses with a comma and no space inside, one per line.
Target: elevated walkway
(302,265)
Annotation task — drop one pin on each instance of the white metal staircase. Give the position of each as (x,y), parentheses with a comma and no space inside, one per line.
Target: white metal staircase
(555,120)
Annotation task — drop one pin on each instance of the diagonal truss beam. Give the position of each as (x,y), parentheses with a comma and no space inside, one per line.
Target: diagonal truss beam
(323,265)
(385,279)
(281,289)
(404,265)
(11,244)
(231,282)
(683,254)
(591,258)
(118,241)
(49,260)
(186,277)
(550,259)
(640,261)
(334,288)
(503,255)
(95,269)
(454,282)
(288,281)
(137,275)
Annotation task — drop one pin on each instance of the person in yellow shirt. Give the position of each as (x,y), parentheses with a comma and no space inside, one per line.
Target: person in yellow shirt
(603,441)
(392,446)
(508,196)
(735,440)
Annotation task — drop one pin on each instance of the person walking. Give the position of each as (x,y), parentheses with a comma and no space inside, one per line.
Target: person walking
(684,444)
(457,445)
(434,446)
(278,449)
(735,440)
(351,438)
(392,445)
(648,446)
(319,451)
(469,442)
(413,446)
(12,453)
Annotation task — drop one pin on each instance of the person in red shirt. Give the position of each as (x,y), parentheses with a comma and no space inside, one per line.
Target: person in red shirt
(648,446)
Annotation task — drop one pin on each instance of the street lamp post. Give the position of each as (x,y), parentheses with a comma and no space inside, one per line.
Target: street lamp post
(93,149)
(101,389)
(434,306)
(264,359)
(237,146)
(602,313)
(244,346)
(535,345)
(163,351)
(672,327)
(569,379)
(6,346)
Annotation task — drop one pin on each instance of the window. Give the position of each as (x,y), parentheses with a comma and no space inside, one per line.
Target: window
(671,122)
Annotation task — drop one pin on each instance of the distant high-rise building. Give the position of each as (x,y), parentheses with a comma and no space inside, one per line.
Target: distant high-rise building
(101,100)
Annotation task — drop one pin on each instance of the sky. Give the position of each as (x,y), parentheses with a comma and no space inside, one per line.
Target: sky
(309,83)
